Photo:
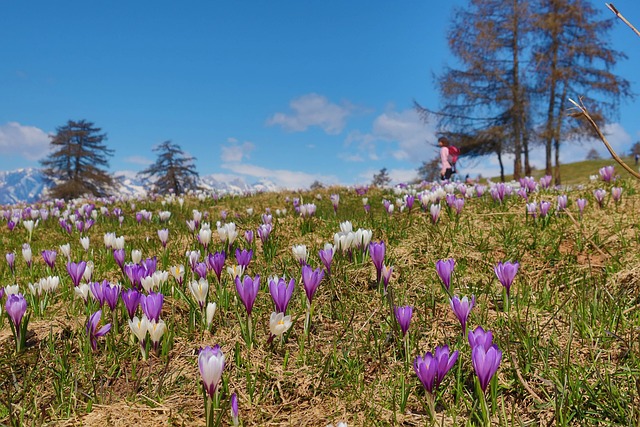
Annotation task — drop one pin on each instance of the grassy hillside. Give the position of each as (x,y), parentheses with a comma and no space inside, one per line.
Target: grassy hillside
(579,172)
(565,337)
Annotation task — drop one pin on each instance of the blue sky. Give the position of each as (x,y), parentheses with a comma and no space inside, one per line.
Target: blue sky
(287,90)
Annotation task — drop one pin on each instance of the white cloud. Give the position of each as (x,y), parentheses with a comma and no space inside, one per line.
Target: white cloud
(405,134)
(313,110)
(281,177)
(138,160)
(235,152)
(29,142)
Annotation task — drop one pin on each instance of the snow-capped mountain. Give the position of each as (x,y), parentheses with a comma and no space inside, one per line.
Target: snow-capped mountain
(28,185)
(21,185)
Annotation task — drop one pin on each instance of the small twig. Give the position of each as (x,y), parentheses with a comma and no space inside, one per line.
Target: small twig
(583,113)
(596,247)
(622,18)
(524,382)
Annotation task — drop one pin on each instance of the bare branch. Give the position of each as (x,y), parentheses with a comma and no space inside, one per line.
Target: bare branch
(622,18)
(584,113)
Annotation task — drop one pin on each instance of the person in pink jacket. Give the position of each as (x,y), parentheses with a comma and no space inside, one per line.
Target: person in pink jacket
(445,167)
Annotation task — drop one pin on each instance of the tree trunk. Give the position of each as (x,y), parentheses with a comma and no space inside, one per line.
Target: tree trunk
(556,146)
(557,134)
(516,94)
(501,165)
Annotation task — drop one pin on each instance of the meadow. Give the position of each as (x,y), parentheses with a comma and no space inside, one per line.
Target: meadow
(552,273)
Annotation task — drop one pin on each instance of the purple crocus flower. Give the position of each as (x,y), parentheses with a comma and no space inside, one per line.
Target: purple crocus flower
(281,293)
(461,308)
(432,368)
(118,256)
(76,270)
(532,209)
(485,362)
(562,202)
(458,205)
(15,307)
(444,268)
(435,212)
(92,329)
(545,181)
(326,256)
(134,273)
(480,337)
(335,201)
(616,193)
(234,410)
(216,263)
(544,208)
(49,257)
(243,257)
(376,251)
(403,316)
(600,194)
(310,280)
(152,305)
(149,265)
(506,272)
(111,293)
(409,201)
(211,365)
(581,203)
(11,225)
(386,276)
(97,290)
(522,192)
(200,269)
(263,232)
(11,260)
(131,299)
(248,291)
(606,173)
(248,236)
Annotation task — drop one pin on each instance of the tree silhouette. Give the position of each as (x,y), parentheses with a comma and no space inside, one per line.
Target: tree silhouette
(429,171)
(173,171)
(78,162)
(382,178)
(573,57)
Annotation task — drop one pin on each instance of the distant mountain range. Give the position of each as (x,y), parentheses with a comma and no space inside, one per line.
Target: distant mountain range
(28,185)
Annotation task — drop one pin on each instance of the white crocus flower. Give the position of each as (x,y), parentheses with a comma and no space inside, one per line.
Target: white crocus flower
(177,271)
(109,240)
(199,289)
(84,241)
(88,271)
(66,250)
(139,327)
(235,271)
(26,253)
(211,310)
(119,243)
(346,227)
(11,290)
(82,291)
(279,323)
(300,253)
(136,256)
(147,283)
(204,235)
(156,330)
